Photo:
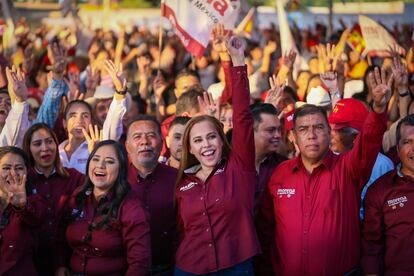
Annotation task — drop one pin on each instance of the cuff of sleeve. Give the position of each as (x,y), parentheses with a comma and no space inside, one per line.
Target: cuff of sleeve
(226,64)
(19,106)
(237,71)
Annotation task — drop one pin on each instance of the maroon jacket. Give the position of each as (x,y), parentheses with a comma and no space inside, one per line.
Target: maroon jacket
(387,235)
(317,215)
(216,216)
(56,190)
(17,237)
(156,194)
(122,248)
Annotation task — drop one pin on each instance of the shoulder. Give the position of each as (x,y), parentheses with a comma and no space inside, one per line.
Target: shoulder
(131,208)
(167,170)
(383,160)
(383,183)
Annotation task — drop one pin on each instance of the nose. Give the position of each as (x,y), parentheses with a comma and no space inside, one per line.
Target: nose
(312,133)
(43,147)
(277,133)
(144,140)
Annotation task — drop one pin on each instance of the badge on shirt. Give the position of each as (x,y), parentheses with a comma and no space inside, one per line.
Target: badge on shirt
(393,203)
(219,171)
(188,186)
(287,192)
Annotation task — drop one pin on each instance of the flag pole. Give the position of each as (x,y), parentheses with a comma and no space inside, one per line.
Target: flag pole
(160,37)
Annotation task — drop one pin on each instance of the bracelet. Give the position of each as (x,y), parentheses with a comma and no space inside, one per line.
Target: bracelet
(122,92)
(406,93)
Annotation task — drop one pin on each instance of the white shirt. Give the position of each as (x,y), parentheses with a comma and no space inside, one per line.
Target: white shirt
(112,130)
(17,122)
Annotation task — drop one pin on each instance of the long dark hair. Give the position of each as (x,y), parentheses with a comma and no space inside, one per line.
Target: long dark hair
(187,159)
(26,146)
(106,210)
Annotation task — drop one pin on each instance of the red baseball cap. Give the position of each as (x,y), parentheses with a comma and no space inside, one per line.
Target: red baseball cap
(348,113)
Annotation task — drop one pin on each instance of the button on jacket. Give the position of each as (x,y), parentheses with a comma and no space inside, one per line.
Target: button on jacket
(388,227)
(17,237)
(122,248)
(156,194)
(317,214)
(216,216)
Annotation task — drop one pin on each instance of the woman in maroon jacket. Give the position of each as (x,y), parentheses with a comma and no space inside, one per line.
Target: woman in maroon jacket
(216,187)
(20,213)
(52,181)
(108,230)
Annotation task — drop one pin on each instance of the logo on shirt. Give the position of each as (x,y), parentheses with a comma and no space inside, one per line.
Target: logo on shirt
(219,171)
(287,192)
(393,203)
(75,213)
(188,186)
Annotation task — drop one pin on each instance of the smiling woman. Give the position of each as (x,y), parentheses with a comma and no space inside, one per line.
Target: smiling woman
(107,229)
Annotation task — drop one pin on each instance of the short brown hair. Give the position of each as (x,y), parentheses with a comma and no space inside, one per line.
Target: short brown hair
(308,109)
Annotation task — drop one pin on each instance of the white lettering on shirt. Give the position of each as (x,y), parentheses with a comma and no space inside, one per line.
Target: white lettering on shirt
(287,192)
(188,186)
(397,201)
(219,171)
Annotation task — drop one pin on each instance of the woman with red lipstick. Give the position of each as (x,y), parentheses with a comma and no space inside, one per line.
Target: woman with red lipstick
(216,187)
(52,181)
(108,230)
(20,213)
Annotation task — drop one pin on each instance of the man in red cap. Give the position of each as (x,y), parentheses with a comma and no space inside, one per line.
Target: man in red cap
(346,120)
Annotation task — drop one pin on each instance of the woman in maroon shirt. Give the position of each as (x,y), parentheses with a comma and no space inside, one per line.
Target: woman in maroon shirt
(20,213)
(108,230)
(216,187)
(52,181)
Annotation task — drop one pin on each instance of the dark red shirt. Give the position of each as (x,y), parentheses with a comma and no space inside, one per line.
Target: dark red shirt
(17,237)
(122,248)
(156,193)
(388,227)
(226,96)
(216,216)
(317,215)
(57,191)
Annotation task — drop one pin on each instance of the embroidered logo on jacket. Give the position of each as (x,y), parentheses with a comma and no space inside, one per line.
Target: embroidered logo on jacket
(219,171)
(393,203)
(188,186)
(287,192)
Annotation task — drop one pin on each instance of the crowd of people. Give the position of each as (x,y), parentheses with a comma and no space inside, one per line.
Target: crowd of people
(121,158)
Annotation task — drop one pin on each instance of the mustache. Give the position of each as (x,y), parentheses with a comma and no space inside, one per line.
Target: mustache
(145,148)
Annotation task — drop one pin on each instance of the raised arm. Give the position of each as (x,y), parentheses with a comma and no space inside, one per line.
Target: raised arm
(243,139)
(17,121)
(369,141)
(49,110)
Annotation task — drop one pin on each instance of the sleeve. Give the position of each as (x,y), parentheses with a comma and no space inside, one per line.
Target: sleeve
(366,148)
(226,96)
(136,239)
(17,123)
(49,109)
(373,242)
(243,137)
(112,128)
(34,211)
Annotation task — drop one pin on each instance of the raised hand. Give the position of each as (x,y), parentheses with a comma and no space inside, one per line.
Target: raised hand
(58,57)
(208,106)
(270,48)
(328,57)
(92,79)
(29,58)
(410,59)
(289,59)
(17,83)
(274,95)
(398,70)
(73,83)
(235,47)
(93,137)
(13,189)
(159,85)
(219,38)
(330,80)
(381,89)
(144,68)
(117,75)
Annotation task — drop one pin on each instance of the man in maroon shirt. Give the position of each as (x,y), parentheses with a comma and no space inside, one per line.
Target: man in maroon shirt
(387,235)
(316,195)
(155,185)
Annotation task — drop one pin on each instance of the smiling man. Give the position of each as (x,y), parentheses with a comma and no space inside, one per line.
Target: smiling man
(387,236)
(155,186)
(316,195)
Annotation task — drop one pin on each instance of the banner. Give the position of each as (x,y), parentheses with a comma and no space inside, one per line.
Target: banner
(355,40)
(193,20)
(377,39)
(286,38)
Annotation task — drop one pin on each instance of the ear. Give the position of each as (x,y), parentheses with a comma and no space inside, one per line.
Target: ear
(167,141)
(65,125)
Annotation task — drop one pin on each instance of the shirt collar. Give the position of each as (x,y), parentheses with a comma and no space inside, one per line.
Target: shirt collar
(399,173)
(326,162)
(41,173)
(138,175)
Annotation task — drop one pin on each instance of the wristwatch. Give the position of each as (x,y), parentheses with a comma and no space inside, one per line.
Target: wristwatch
(406,93)
(122,92)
